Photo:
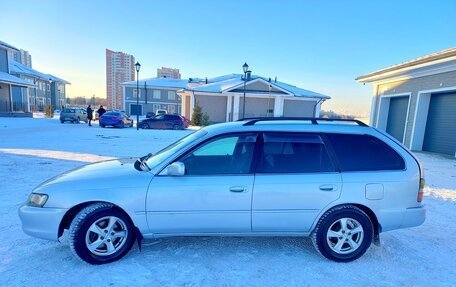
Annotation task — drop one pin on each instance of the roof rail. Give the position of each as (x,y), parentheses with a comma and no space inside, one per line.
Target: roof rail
(314,121)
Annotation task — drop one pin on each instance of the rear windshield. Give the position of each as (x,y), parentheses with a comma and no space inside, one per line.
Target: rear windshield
(69,110)
(112,114)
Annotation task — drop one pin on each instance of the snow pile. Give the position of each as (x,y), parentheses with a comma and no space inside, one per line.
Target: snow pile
(33,150)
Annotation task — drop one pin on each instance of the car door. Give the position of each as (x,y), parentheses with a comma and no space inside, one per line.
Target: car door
(168,122)
(294,180)
(214,195)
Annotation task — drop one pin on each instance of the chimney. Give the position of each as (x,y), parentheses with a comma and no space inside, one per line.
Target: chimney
(269,80)
(275,81)
(249,75)
(205,80)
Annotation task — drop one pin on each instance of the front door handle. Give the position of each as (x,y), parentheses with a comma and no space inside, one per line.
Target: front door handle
(327,187)
(238,189)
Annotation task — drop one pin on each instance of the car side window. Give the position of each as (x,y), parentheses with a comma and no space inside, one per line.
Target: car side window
(231,154)
(364,153)
(293,153)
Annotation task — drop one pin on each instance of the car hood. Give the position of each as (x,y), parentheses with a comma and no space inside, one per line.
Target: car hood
(118,173)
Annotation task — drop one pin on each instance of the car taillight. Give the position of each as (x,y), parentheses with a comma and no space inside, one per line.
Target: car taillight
(115,119)
(182,119)
(421,190)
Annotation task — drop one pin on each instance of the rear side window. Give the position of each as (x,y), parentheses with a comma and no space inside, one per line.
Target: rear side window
(293,153)
(364,153)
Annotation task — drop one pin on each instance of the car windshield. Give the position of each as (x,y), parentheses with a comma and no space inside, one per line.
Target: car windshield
(112,114)
(163,154)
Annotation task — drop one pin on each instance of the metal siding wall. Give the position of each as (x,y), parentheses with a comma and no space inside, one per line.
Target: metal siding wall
(214,106)
(415,85)
(3,61)
(397,116)
(298,108)
(440,135)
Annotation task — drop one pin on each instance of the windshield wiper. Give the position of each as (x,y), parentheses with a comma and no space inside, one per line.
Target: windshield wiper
(141,164)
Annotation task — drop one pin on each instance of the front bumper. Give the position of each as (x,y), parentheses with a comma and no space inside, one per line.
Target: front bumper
(414,216)
(41,222)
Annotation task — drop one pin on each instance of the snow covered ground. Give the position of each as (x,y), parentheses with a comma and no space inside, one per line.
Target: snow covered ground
(32,150)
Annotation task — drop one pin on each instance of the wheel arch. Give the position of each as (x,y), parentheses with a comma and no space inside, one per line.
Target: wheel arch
(373,218)
(73,211)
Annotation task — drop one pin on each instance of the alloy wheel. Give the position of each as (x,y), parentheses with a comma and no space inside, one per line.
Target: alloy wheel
(345,235)
(106,236)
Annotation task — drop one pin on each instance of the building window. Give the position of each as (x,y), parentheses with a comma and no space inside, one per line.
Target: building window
(48,87)
(136,92)
(171,109)
(171,95)
(156,94)
(156,107)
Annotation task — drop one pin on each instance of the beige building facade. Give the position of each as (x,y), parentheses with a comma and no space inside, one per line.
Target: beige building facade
(415,102)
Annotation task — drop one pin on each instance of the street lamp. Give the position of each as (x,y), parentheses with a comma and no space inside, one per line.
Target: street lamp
(245,67)
(50,90)
(137,66)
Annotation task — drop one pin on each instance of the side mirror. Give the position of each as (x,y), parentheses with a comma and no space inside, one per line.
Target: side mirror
(176,169)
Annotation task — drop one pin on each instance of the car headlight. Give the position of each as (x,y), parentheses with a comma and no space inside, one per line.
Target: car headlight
(37,199)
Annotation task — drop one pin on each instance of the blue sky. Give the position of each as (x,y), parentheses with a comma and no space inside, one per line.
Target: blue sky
(317,45)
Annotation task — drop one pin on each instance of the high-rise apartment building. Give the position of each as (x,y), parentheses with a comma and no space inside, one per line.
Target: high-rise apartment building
(168,73)
(120,67)
(21,56)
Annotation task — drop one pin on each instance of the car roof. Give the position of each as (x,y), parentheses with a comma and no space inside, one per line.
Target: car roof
(289,126)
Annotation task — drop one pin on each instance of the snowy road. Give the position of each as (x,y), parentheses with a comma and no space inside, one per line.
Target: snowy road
(32,150)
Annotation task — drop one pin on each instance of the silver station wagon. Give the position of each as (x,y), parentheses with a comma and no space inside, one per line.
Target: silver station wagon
(338,181)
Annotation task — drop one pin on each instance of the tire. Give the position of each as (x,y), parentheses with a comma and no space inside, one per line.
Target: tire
(78,121)
(342,244)
(62,122)
(102,126)
(145,126)
(176,127)
(107,247)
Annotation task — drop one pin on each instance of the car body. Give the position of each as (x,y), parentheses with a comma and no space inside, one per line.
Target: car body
(341,184)
(115,119)
(186,122)
(74,115)
(164,122)
(161,112)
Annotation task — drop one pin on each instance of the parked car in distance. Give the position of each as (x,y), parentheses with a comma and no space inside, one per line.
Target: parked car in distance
(74,115)
(161,112)
(164,122)
(186,122)
(115,119)
(341,184)
(150,115)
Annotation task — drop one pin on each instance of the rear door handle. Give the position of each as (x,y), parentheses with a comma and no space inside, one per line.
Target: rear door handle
(238,189)
(327,187)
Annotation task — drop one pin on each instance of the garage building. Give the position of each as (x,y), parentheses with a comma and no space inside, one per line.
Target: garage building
(415,102)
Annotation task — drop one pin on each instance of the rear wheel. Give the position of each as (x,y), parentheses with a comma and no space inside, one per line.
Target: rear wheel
(145,126)
(102,125)
(176,127)
(100,234)
(62,121)
(343,234)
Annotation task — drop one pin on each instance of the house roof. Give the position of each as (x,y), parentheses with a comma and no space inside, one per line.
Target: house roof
(8,46)
(18,68)
(222,84)
(160,82)
(427,59)
(13,80)
(231,81)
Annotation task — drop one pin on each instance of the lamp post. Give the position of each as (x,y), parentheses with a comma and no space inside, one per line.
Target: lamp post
(245,67)
(50,91)
(137,66)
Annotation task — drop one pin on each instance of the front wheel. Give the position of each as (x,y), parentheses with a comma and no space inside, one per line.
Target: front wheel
(100,234)
(145,126)
(343,234)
